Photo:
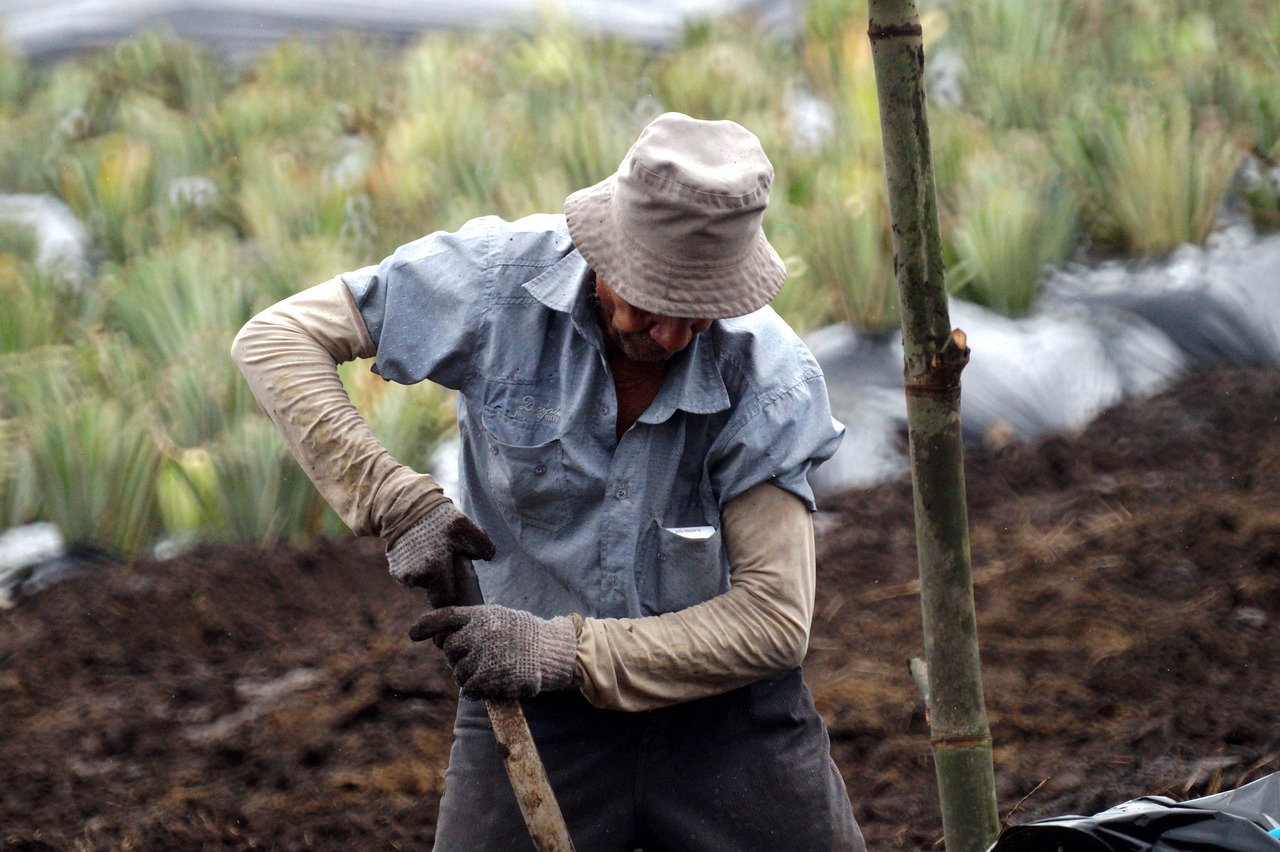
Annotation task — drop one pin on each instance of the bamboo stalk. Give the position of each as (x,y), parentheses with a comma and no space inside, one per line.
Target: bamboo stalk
(934,356)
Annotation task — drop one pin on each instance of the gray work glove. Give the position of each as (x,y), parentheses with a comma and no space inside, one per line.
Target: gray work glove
(423,556)
(497,652)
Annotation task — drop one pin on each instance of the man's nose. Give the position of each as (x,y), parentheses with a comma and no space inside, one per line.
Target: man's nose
(672,333)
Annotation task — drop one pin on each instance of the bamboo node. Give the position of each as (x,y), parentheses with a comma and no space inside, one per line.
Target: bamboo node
(876,32)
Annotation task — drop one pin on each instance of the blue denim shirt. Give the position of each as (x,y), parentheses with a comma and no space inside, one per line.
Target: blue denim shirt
(504,313)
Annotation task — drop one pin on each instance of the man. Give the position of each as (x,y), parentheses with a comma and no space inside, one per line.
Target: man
(636,430)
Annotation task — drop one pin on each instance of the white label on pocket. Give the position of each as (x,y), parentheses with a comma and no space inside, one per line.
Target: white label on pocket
(692,533)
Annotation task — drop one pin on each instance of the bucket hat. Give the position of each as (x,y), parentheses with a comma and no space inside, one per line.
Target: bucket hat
(676,230)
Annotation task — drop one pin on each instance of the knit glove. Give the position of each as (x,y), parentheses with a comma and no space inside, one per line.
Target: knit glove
(497,652)
(423,556)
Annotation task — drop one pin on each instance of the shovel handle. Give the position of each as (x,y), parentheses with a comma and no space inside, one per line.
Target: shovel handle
(524,767)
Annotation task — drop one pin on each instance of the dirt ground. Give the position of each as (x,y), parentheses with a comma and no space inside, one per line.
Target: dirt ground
(1128,592)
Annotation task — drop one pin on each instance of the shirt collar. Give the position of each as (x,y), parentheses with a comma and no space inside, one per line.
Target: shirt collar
(693,382)
(565,286)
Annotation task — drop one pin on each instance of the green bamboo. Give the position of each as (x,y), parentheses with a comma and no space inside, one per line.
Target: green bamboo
(934,356)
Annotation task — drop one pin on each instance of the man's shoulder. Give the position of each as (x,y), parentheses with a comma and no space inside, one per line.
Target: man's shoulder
(534,242)
(761,355)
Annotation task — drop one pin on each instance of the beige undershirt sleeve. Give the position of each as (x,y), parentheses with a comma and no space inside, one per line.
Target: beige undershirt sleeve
(757,628)
(289,354)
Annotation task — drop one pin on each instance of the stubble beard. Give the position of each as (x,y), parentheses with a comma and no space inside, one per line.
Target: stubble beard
(640,347)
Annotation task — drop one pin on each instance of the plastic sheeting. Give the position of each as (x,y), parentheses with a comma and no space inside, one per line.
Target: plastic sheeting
(1235,821)
(1099,336)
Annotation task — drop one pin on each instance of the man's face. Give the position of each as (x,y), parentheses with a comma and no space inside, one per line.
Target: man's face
(641,336)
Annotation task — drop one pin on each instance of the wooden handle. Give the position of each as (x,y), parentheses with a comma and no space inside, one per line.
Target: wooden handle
(524,767)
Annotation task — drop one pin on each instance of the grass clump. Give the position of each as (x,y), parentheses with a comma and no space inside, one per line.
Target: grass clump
(1154,178)
(1011,220)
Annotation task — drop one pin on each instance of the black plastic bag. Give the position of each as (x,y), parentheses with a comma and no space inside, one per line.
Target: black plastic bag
(1235,821)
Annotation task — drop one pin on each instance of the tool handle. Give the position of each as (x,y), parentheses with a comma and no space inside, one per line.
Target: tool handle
(466,585)
(528,777)
(524,767)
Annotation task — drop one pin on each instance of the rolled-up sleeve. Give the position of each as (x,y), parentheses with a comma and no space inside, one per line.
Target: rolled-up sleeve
(779,440)
(424,306)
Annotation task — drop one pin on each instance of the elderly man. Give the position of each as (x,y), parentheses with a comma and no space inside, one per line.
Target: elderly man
(637,428)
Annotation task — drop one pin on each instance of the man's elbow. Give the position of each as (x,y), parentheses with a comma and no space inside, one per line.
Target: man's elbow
(249,345)
(788,644)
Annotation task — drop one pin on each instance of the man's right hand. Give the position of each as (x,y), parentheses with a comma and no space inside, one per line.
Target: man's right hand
(423,556)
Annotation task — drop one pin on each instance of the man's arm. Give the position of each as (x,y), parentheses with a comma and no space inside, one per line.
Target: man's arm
(757,628)
(289,354)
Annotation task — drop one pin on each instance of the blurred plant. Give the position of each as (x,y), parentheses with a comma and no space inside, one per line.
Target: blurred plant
(17,499)
(1013,218)
(1152,178)
(17,240)
(1017,58)
(282,196)
(448,147)
(109,182)
(259,492)
(33,306)
(729,69)
(200,393)
(847,250)
(172,297)
(408,420)
(14,79)
(89,439)
(1261,189)
(180,74)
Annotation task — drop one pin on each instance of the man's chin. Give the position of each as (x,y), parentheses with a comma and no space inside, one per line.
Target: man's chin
(642,349)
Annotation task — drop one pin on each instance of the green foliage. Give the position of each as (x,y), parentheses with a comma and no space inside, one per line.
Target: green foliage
(1017,58)
(1153,177)
(33,306)
(258,491)
(409,420)
(170,300)
(88,438)
(848,252)
(212,192)
(14,79)
(1013,218)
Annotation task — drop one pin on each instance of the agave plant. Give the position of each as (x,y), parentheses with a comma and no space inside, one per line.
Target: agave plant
(260,493)
(93,467)
(168,298)
(1154,178)
(1013,218)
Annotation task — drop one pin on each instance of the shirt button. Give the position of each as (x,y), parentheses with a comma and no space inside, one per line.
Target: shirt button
(621,493)
(604,409)
(540,469)
(493,451)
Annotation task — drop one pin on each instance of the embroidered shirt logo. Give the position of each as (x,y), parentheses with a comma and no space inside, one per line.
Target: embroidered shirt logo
(530,409)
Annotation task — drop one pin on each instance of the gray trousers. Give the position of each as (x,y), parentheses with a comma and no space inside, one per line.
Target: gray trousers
(750,769)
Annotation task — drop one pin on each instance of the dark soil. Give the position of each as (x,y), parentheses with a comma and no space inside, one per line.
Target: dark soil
(1128,593)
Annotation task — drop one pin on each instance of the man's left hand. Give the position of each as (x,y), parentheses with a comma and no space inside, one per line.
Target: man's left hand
(496,652)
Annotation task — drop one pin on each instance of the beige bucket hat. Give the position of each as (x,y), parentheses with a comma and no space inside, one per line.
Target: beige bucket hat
(677,229)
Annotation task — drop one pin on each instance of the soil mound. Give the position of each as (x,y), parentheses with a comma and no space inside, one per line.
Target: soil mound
(1128,592)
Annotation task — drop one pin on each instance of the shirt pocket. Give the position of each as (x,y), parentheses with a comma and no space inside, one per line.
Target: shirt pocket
(528,480)
(686,570)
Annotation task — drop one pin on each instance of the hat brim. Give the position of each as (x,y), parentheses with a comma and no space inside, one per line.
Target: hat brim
(656,284)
